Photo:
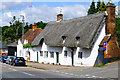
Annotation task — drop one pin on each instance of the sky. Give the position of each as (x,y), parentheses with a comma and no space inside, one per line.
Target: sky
(43,10)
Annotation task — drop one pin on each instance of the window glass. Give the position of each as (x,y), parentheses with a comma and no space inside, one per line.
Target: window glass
(46,54)
(80,55)
(41,53)
(65,53)
(52,54)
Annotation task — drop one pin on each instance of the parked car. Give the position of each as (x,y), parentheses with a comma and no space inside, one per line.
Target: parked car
(0,57)
(4,58)
(9,59)
(18,61)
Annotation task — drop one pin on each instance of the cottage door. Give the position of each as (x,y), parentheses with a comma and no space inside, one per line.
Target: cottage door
(72,57)
(57,57)
(37,56)
(29,55)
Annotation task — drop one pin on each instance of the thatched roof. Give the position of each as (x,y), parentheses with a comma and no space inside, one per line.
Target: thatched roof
(86,28)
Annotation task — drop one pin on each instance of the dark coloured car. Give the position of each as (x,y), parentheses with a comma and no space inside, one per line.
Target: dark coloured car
(4,58)
(9,59)
(18,61)
(0,57)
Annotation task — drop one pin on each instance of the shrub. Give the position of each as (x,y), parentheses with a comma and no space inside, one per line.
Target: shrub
(28,45)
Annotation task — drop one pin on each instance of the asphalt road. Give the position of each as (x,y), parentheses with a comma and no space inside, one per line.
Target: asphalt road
(26,72)
(110,71)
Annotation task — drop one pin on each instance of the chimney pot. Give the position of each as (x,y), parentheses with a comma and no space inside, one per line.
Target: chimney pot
(59,17)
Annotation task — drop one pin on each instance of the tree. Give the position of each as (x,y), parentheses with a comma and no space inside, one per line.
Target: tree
(98,5)
(102,7)
(13,32)
(41,24)
(92,9)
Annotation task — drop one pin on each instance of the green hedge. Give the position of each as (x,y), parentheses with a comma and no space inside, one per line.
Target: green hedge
(27,45)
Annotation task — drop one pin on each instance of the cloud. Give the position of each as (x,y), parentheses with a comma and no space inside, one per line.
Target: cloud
(10,6)
(45,13)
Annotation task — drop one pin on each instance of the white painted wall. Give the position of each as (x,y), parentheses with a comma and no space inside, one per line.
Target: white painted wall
(23,52)
(65,60)
(19,49)
(49,49)
(89,55)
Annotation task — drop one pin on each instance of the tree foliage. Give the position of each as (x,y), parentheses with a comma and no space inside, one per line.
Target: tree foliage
(102,7)
(41,25)
(98,6)
(92,9)
(96,9)
(14,31)
(118,28)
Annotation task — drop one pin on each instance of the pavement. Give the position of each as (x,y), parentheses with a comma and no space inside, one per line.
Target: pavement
(51,67)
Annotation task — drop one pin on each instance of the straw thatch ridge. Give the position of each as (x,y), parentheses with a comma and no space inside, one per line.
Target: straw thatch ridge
(86,28)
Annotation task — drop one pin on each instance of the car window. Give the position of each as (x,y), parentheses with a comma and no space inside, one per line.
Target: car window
(5,57)
(20,58)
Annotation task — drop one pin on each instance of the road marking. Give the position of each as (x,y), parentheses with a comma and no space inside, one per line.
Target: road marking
(70,74)
(14,69)
(94,76)
(28,74)
(87,75)
(66,73)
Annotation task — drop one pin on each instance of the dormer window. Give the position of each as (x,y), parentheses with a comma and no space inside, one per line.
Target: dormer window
(63,37)
(77,38)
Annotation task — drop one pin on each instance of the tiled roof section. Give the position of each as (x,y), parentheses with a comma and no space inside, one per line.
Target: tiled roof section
(105,39)
(31,34)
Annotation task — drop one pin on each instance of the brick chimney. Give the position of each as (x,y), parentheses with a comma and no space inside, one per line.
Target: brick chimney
(59,17)
(113,49)
(34,26)
(111,27)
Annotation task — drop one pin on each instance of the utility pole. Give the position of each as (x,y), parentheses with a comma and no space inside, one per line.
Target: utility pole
(22,28)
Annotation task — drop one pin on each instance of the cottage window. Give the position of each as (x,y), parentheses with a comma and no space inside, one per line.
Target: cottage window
(41,53)
(52,54)
(46,54)
(80,55)
(65,53)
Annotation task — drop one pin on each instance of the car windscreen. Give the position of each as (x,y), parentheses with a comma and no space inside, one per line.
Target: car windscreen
(20,58)
(5,57)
